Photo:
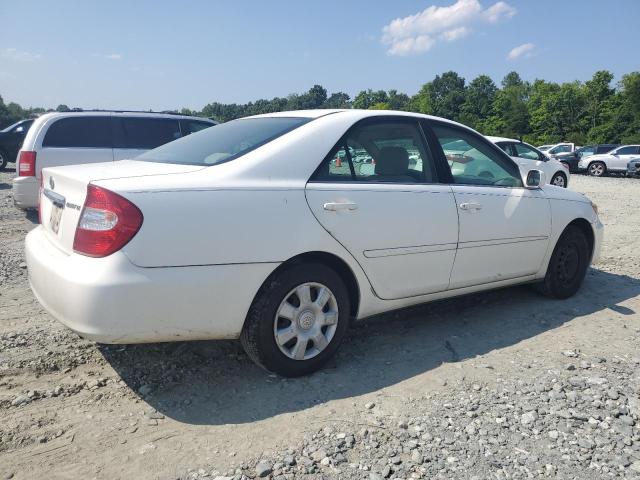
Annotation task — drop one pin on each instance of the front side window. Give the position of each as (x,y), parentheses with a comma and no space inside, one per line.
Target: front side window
(473,161)
(560,149)
(379,151)
(626,150)
(525,151)
(193,126)
(586,151)
(79,132)
(223,143)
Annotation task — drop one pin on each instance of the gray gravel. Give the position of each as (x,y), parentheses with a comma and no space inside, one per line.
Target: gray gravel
(501,385)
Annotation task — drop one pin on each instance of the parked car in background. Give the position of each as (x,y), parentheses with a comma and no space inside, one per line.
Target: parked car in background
(11,139)
(163,247)
(92,137)
(529,157)
(544,148)
(633,168)
(560,149)
(572,158)
(615,161)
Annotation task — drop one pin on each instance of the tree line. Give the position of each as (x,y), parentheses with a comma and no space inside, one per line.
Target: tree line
(595,111)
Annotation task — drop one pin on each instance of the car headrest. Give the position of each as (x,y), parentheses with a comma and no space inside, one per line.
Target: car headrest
(392,161)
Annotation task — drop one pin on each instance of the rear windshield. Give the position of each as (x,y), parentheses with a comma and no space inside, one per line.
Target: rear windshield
(223,142)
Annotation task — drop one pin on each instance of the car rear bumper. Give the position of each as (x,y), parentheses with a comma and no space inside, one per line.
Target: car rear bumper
(110,300)
(25,192)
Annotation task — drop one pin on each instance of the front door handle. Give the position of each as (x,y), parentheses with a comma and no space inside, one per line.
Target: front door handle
(470,206)
(335,206)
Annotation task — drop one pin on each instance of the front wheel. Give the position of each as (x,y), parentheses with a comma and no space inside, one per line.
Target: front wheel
(559,180)
(597,169)
(568,265)
(297,320)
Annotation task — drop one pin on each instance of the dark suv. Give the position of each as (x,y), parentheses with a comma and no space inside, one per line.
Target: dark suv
(11,139)
(572,158)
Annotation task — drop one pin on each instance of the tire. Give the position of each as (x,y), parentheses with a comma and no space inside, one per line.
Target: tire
(4,159)
(597,169)
(568,265)
(302,323)
(559,180)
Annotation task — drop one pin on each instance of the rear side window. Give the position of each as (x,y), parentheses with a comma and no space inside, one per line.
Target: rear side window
(627,150)
(225,142)
(146,133)
(193,126)
(79,132)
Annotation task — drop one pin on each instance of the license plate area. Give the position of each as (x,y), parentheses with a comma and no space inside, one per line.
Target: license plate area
(57,207)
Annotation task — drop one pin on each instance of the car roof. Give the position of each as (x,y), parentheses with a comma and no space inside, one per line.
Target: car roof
(356,114)
(501,139)
(121,113)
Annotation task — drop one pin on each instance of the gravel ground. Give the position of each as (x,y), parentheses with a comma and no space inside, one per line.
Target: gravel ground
(502,385)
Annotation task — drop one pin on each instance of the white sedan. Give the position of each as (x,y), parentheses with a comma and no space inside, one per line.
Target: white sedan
(556,172)
(254,230)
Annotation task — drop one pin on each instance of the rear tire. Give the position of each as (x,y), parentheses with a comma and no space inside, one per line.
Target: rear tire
(4,159)
(295,334)
(568,265)
(597,169)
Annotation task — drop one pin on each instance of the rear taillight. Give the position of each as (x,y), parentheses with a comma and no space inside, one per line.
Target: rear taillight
(107,223)
(27,164)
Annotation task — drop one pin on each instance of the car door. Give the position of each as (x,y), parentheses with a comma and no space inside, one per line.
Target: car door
(78,138)
(135,135)
(619,158)
(377,193)
(504,228)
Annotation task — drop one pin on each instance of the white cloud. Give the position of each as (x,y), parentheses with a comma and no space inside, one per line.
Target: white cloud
(525,50)
(19,55)
(420,32)
(108,56)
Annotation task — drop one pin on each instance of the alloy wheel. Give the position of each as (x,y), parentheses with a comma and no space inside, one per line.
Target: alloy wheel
(596,169)
(558,181)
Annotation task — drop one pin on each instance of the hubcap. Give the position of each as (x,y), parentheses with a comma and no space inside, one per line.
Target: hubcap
(306,321)
(558,181)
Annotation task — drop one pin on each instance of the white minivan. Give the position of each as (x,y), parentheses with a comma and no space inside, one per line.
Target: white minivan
(57,139)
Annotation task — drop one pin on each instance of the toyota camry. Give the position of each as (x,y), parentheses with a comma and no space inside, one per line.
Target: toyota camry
(281,229)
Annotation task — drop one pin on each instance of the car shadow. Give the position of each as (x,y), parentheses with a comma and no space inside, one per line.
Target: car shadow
(213,382)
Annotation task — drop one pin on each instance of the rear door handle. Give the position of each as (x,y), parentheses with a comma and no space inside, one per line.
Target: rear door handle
(470,206)
(335,206)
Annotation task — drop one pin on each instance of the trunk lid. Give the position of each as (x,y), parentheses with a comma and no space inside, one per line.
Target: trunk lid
(64,190)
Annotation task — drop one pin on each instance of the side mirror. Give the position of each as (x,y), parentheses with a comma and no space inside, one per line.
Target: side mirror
(535,179)
(19,130)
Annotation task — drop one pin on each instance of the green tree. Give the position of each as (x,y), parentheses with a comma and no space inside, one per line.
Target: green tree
(478,102)
(367,98)
(338,100)
(446,95)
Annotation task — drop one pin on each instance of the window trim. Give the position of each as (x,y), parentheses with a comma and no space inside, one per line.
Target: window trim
(437,147)
(342,144)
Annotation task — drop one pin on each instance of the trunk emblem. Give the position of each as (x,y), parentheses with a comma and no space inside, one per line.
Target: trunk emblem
(52,184)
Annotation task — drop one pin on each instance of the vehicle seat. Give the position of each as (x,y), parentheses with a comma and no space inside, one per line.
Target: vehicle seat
(392,165)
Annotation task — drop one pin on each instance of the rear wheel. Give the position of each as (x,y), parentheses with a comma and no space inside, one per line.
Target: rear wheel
(559,180)
(4,159)
(297,320)
(597,169)
(568,265)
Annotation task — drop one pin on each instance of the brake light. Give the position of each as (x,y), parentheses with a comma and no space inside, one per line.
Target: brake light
(107,223)
(27,164)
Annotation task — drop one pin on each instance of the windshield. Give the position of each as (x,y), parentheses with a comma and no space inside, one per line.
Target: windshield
(224,142)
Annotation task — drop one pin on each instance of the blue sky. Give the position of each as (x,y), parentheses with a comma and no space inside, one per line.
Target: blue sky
(165,55)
